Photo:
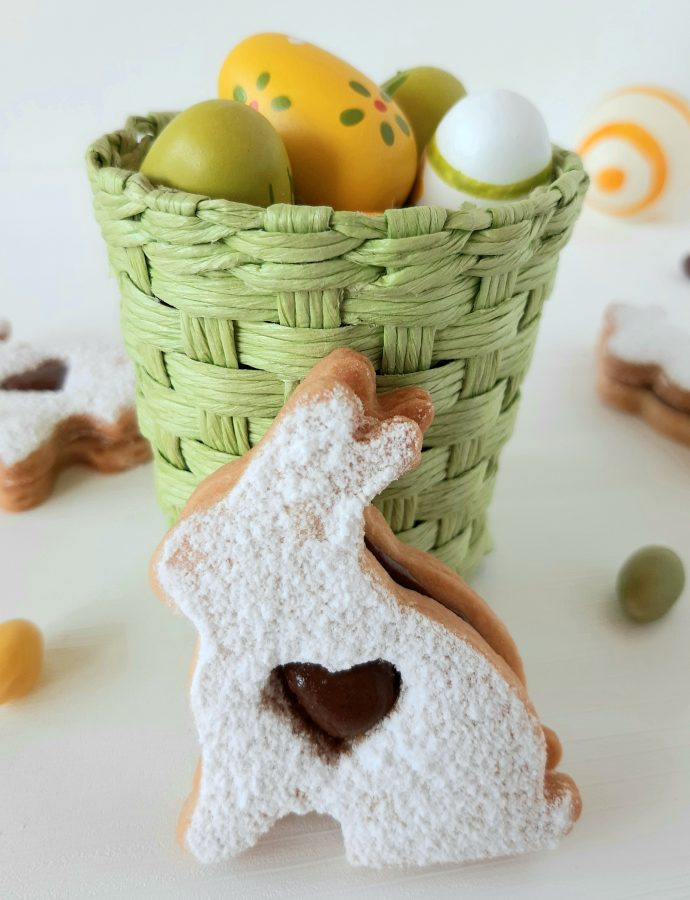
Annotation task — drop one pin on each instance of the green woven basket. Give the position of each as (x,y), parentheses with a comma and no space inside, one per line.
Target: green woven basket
(225,307)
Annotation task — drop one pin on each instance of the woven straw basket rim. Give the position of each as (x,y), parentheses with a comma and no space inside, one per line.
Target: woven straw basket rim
(114,150)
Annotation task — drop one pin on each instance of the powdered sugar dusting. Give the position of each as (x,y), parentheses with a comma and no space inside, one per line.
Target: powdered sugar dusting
(272,574)
(646,336)
(99,383)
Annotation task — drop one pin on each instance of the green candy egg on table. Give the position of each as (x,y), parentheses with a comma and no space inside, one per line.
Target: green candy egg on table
(649,583)
(424,94)
(222,149)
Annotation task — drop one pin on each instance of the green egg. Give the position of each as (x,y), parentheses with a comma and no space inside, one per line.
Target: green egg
(222,149)
(424,94)
(649,583)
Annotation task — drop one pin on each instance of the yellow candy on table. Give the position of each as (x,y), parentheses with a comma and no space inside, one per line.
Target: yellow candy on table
(21,658)
(636,150)
(350,146)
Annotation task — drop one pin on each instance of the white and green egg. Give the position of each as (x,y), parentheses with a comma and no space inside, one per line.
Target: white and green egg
(490,148)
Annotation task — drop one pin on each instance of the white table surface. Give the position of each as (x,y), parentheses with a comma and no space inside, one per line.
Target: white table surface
(95,764)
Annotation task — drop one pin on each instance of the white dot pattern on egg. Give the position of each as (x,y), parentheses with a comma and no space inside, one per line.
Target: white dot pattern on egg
(491,147)
(636,149)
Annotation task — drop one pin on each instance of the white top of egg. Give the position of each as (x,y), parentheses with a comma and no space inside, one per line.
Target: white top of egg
(497,137)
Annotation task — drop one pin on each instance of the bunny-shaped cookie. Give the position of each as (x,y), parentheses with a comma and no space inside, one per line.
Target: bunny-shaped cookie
(339,670)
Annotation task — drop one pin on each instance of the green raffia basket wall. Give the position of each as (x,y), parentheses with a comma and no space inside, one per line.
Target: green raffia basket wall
(225,307)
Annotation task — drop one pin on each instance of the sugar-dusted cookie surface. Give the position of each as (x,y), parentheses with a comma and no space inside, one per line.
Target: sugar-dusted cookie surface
(59,406)
(339,670)
(644,367)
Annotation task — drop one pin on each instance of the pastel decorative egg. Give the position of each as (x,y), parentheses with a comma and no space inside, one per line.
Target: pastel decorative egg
(221,149)
(636,149)
(349,144)
(424,94)
(491,147)
(650,582)
(21,658)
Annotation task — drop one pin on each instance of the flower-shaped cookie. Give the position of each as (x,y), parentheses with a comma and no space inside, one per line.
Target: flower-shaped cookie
(644,367)
(59,406)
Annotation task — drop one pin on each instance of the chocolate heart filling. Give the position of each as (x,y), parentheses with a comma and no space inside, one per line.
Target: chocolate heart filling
(339,706)
(344,704)
(46,376)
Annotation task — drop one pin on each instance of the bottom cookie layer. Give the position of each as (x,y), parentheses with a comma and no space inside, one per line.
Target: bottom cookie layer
(641,401)
(79,440)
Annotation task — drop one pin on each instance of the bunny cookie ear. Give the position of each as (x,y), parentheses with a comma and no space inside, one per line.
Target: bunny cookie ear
(354,372)
(381,436)
(372,440)
(379,422)
(380,452)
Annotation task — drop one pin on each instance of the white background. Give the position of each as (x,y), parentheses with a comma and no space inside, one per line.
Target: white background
(94,765)
(73,70)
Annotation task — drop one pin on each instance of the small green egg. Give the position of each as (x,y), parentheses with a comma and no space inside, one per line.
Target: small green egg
(222,149)
(650,582)
(424,94)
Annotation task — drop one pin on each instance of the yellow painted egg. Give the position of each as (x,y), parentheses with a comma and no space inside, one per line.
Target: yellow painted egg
(636,150)
(21,658)
(221,149)
(349,144)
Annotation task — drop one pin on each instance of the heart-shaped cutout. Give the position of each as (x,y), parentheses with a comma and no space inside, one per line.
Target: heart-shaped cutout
(344,704)
(46,376)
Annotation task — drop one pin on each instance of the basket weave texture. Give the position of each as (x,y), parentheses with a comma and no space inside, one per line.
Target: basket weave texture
(225,307)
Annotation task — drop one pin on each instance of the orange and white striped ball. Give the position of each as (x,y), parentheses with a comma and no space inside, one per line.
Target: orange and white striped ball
(636,149)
